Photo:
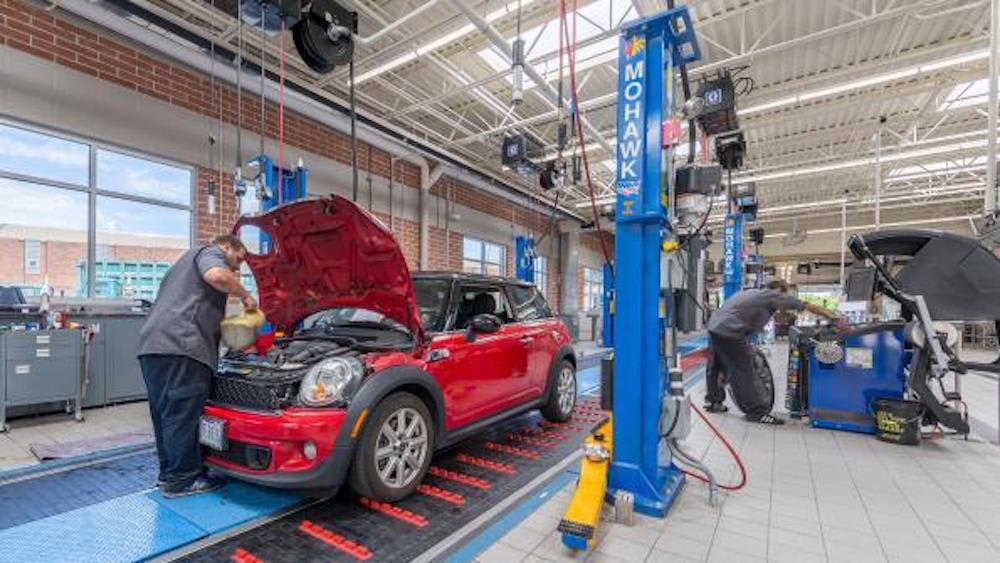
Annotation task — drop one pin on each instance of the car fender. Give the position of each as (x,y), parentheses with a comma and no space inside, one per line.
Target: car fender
(565,352)
(378,386)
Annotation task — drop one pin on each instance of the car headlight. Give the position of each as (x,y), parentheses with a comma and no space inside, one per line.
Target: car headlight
(330,381)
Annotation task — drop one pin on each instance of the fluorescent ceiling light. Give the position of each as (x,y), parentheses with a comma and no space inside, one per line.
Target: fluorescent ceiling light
(966,94)
(544,38)
(860,162)
(883,78)
(935,220)
(447,39)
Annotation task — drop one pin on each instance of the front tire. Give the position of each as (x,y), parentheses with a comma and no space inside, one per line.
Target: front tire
(395,449)
(562,397)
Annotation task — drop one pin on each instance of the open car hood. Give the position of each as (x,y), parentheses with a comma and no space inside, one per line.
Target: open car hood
(329,253)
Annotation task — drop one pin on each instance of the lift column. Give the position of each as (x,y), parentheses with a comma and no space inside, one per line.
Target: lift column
(648,50)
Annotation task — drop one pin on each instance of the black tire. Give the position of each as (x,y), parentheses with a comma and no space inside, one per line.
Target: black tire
(559,405)
(763,382)
(372,477)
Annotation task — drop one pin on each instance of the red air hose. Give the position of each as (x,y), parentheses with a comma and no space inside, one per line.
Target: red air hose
(732,452)
(571,55)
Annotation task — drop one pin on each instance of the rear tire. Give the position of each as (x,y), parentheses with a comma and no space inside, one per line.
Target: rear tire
(562,396)
(395,449)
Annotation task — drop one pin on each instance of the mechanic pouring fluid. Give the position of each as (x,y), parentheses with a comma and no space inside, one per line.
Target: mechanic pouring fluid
(729,331)
(178,353)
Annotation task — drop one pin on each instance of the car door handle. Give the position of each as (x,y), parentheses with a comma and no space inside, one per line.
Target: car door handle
(526,339)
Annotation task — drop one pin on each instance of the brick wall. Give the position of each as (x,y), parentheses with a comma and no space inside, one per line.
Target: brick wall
(59,38)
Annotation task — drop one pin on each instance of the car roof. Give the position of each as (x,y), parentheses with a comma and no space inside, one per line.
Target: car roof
(466,277)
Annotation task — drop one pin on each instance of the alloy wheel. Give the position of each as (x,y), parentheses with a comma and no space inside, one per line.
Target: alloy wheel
(401,448)
(566,389)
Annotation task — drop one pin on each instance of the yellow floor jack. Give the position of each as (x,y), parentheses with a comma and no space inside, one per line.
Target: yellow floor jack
(579,523)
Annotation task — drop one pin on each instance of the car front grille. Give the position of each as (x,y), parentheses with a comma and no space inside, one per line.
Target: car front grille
(238,392)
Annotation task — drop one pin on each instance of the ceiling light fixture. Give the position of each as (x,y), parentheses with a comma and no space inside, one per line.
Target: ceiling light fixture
(508,8)
(910,72)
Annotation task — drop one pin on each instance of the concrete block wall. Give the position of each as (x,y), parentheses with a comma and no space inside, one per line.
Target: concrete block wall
(60,72)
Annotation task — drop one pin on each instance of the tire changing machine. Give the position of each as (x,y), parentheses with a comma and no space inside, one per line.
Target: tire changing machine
(628,464)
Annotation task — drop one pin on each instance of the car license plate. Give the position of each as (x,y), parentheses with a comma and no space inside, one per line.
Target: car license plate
(212,433)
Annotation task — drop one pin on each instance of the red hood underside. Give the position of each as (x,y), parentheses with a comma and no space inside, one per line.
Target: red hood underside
(329,253)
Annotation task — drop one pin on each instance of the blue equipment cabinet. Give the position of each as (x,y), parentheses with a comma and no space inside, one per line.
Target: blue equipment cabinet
(873,366)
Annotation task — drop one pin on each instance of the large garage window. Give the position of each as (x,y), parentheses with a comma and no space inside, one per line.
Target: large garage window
(593,289)
(87,219)
(541,267)
(481,257)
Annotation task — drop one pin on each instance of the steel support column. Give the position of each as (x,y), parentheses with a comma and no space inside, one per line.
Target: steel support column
(990,198)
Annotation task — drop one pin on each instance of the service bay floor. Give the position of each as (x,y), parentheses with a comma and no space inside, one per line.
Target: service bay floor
(813,495)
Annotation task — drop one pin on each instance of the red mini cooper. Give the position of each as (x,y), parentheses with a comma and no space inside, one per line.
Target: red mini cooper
(378,369)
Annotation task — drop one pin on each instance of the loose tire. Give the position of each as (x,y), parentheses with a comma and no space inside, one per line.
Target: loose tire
(395,449)
(562,397)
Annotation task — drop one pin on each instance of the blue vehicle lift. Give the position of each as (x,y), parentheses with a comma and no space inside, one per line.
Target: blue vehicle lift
(649,50)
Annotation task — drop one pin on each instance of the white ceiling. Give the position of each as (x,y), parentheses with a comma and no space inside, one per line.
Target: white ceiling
(824,73)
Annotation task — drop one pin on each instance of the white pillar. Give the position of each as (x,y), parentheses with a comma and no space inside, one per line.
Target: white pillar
(878,176)
(990,198)
(843,239)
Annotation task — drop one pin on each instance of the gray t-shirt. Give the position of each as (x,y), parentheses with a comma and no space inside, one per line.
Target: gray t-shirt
(184,320)
(748,312)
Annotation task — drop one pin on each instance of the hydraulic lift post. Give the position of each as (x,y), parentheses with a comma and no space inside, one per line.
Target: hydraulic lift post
(649,49)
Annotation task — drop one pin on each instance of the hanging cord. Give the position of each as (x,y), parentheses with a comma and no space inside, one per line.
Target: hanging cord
(263,44)
(239,105)
(281,111)
(215,131)
(580,140)
(354,135)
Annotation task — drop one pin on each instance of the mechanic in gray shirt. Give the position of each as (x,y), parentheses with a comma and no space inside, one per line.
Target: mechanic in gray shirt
(729,330)
(179,352)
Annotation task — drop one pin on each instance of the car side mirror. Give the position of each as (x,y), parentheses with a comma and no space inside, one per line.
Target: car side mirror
(484,323)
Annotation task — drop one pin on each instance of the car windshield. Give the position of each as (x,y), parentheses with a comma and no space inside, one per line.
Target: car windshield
(432,298)
(350,317)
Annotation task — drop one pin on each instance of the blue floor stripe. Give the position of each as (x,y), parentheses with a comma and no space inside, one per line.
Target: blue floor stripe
(511,519)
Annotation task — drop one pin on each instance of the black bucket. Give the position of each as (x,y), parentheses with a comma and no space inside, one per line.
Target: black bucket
(898,421)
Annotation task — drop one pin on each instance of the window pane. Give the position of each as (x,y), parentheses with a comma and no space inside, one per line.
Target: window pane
(472,249)
(494,253)
(134,176)
(33,154)
(56,220)
(493,270)
(143,241)
(472,267)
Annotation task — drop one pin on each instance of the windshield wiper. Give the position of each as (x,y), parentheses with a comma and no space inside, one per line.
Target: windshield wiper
(368,324)
(348,341)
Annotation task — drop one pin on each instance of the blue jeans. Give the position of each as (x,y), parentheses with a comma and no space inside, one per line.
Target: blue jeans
(178,388)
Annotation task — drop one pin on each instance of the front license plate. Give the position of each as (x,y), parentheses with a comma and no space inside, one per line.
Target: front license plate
(212,433)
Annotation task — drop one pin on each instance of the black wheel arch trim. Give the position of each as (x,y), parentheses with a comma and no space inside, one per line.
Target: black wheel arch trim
(380,385)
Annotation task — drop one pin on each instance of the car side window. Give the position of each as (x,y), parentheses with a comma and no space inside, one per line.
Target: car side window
(477,300)
(529,305)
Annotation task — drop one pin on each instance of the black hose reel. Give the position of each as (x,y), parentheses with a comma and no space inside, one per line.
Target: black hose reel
(324,35)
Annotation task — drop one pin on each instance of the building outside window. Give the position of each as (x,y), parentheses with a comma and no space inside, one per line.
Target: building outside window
(542,275)
(481,257)
(593,289)
(51,184)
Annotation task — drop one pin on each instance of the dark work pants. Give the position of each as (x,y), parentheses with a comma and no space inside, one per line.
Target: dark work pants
(734,358)
(178,388)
